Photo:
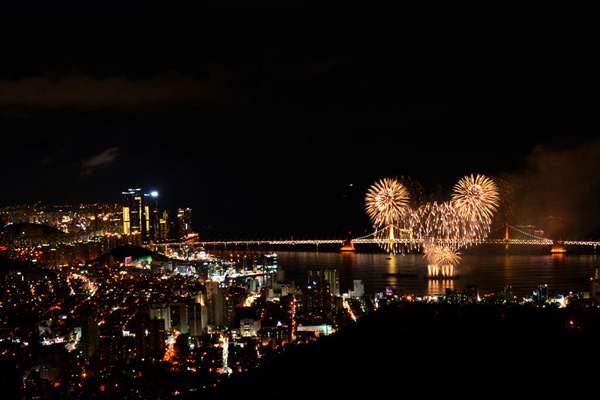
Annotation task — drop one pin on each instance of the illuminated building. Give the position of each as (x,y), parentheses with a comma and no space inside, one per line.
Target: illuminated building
(173,225)
(323,285)
(327,277)
(215,303)
(132,211)
(197,319)
(161,312)
(140,214)
(249,327)
(184,222)
(261,262)
(323,329)
(164,226)
(275,336)
(271,261)
(359,288)
(152,219)
(50,370)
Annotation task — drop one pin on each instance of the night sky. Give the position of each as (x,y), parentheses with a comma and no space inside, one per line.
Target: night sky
(273,122)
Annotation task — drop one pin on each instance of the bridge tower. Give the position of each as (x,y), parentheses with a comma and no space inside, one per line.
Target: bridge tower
(506,236)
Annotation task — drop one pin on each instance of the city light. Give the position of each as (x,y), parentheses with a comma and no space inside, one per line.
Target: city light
(172,304)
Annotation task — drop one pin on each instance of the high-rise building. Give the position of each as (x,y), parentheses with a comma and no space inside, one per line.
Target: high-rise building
(90,334)
(215,304)
(141,335)
(329,278)
(161,312)
(271,261)
(132,211)
(164,226)
(140,214)
(197,319)
(173,225)
(249,327)
(150,336)
(323,286)
(359,288)
(184,222)
(157,336)
(151,217)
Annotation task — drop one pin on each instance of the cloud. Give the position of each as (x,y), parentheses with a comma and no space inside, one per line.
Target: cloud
(101,160)
(90,92)
(106,157)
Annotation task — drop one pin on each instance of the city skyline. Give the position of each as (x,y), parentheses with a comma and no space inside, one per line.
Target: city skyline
(421,177)
(281,136)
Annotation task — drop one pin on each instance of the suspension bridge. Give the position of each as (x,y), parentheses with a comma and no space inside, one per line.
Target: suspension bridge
(519,237)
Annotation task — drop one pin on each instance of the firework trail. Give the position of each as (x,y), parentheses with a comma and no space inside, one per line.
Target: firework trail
(437,223)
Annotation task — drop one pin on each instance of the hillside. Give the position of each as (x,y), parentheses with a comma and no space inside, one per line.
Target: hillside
(25,229)
(135,252)
(436,350)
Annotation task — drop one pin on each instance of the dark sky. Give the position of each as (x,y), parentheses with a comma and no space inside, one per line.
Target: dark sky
(260,119)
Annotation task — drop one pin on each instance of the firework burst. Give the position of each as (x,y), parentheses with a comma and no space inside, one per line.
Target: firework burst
(441,260)
(476,198)
(386,202)
(442,228)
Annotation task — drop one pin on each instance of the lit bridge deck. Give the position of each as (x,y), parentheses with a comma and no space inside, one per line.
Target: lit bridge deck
(524,238)
(539,242)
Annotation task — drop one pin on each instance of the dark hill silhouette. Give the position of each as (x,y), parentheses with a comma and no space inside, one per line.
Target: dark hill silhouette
(30,229)
(436,350)
(135,252)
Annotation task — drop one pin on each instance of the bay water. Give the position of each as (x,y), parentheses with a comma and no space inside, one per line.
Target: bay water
(563,273)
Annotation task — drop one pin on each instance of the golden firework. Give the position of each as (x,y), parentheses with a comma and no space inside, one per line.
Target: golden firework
(476,198)
(386,202)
